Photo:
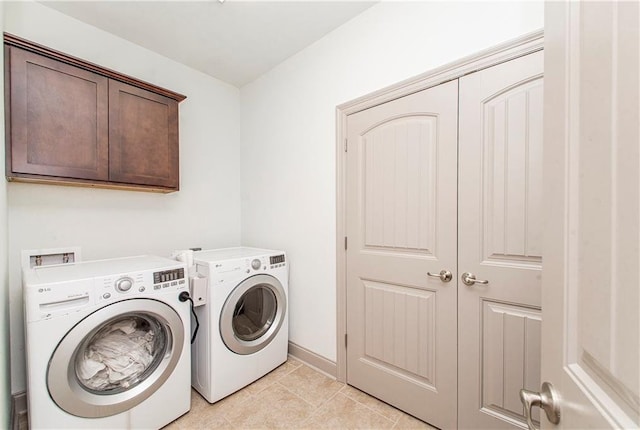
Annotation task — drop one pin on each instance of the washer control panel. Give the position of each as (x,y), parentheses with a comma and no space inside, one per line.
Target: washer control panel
(53,291)
(124,284)
(140,283)
(169,278)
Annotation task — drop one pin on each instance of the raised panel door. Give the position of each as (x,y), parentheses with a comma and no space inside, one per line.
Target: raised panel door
(500,230)
(401,225)
(143,136)
(590,292)
(58,119)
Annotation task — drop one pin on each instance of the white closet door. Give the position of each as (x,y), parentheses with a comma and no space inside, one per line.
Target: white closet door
(591,293)
(500,230)
(401,225)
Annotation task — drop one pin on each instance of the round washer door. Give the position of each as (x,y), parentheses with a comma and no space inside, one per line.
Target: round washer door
(115,358)
(253,314)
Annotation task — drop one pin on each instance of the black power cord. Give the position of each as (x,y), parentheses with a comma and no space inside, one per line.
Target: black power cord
(183,297)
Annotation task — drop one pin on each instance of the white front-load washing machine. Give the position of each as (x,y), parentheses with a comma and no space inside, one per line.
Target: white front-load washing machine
(244,329)
(107,343)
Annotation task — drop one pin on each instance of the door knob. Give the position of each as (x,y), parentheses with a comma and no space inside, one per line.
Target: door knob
(470,279)
(444,275)
(547,399)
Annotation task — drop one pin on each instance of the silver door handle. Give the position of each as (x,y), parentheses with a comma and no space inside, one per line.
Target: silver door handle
(547,399)
(470,279)
(444,275)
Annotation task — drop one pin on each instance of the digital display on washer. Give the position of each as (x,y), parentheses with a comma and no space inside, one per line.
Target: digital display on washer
(275,259)
(168,275)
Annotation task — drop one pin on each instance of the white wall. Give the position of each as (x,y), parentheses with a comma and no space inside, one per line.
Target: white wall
(288,131)
(112,223)
(4,277)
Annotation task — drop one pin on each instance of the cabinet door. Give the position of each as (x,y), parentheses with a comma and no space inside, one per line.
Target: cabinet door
(143,137)
(58,119)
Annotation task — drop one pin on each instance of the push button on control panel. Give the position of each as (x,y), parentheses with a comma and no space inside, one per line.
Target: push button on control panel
(124,284)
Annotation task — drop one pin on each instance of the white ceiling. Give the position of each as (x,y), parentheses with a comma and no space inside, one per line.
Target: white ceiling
(235,41)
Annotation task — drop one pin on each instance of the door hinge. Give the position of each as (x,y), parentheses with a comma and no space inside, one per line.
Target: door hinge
(345,243)
(345,340)
(346,145)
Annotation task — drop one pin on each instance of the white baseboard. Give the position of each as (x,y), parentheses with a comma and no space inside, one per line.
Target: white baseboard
(314,360)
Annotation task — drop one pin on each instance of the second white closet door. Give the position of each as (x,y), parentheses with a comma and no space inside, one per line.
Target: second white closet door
(499,241)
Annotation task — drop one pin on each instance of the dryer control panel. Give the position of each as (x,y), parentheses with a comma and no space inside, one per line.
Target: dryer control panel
(233,269)
(277,261)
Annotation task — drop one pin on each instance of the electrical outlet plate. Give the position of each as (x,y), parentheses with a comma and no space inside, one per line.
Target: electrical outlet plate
(44,257)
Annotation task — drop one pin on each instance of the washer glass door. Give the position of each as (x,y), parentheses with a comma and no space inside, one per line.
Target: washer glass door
(122,353)
(253,314)
(115,358)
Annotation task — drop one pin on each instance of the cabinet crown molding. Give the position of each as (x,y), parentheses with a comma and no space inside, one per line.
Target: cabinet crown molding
(13,40)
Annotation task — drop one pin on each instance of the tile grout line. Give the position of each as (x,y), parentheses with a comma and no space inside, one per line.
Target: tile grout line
(393,423)
(253,395)
(319,407)
(229,422)
(340,391)
(224,414)
(373,410)
(314,410)
(304,400)
(315,371)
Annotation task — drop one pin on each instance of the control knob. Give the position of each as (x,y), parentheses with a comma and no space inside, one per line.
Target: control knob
(256,264)
(124,284)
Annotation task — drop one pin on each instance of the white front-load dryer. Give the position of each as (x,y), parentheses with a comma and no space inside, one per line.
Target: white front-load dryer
(244,329)
(107,344)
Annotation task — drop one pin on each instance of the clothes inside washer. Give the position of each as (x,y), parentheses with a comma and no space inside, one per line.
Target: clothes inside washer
(118,354)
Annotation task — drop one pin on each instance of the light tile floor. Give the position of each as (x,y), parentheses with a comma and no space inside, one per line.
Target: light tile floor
(294,396)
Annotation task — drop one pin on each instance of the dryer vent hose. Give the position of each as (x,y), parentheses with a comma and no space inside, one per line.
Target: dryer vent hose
(183,297)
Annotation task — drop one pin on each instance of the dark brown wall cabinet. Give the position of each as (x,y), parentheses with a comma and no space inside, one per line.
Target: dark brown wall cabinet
(72,122)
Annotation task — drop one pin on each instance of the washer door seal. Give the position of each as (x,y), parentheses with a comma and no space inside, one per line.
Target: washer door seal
(253,314)
(74,397)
